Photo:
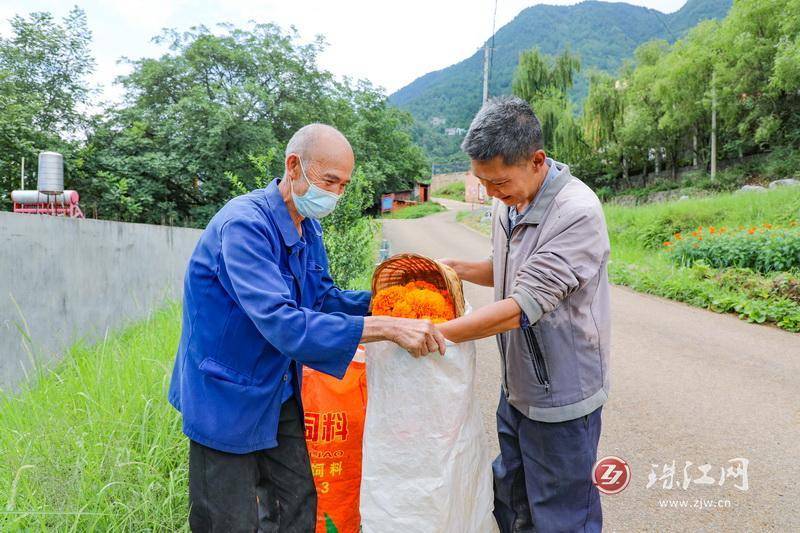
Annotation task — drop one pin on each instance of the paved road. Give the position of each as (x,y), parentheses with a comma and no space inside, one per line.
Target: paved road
(687,385)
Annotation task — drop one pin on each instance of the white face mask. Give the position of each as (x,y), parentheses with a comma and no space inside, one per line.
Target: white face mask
(316,202)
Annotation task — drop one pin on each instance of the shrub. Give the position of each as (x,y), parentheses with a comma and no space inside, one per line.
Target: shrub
(349,235)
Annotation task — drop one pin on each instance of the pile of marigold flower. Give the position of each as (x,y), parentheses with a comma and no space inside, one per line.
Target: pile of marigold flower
(765,248)
(417,299)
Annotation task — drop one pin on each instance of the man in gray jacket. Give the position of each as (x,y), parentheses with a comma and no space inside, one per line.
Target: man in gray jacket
(551,317)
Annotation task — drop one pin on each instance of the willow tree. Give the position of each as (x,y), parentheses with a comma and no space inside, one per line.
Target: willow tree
(544,82)
(603,115)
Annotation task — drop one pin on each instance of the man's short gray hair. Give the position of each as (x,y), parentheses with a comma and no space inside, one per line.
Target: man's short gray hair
(506,127)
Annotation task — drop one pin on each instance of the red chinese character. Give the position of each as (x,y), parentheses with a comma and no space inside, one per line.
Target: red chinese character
(334,426)
(312,426)
(340,426)
(327,427)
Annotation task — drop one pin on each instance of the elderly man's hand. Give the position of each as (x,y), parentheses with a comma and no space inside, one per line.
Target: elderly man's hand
(418,337)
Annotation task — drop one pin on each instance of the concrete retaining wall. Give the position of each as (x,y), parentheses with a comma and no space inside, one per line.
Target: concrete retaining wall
(64,280)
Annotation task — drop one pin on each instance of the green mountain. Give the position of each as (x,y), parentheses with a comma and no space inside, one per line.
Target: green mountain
(603,34)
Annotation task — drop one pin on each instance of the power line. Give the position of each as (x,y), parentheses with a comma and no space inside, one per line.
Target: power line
(666,27)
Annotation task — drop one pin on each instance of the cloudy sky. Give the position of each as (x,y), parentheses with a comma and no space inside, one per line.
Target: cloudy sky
(389,43)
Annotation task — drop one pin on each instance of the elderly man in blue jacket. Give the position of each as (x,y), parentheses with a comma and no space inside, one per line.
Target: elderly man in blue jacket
(258,304)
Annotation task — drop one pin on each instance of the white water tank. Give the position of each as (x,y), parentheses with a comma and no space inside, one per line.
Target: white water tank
(35,197)
(51,173)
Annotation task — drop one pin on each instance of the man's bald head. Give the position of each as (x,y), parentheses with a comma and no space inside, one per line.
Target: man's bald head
(324,153)
(316,142)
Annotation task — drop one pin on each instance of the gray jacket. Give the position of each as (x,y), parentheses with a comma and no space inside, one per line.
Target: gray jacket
(554,265)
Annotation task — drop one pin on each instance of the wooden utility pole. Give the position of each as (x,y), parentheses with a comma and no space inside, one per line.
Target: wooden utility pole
(713,125)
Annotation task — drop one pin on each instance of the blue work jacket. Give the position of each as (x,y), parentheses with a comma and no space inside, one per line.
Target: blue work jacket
(257,296)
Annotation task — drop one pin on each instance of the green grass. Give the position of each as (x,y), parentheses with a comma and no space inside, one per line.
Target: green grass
(638,258)
(476,220)
(94,444)
(363,281)
(416,211)
(453,191)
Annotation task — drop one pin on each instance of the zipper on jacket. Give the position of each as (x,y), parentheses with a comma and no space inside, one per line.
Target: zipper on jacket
(537,358)
(505,346)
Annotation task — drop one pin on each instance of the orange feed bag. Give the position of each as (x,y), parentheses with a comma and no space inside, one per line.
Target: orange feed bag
(334,424)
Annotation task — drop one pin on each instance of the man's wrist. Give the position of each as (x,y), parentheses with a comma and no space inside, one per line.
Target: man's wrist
(375,328)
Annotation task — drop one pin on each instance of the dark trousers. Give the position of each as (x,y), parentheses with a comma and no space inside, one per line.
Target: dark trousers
(267,490)
(543,475)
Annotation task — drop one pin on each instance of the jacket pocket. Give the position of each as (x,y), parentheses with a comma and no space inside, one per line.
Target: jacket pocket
(215,369)
(537,357)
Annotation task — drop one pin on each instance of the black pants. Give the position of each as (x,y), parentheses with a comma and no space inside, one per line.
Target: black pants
(267,490)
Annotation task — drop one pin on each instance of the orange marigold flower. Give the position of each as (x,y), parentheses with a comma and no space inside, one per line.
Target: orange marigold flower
(712,229)
(768,226)
(751,231)
(421,285)
(678,236)
(417,299)
(667,243)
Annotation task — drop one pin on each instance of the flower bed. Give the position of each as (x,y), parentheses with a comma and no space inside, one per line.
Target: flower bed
(764,249)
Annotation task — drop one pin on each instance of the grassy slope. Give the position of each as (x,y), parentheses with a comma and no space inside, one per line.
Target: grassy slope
(416,211)
(454,191)
(95,445)
(637,260)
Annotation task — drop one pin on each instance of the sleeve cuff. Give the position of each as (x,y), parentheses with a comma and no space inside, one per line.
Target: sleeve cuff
(355,330)
(530,307)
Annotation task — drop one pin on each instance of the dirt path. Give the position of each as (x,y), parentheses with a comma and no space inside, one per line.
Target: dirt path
(687,385)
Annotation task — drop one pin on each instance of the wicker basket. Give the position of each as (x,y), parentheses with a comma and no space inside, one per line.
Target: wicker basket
(403,268)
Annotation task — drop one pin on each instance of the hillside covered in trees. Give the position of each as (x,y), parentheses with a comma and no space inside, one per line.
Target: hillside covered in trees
(603,35)
(742,73)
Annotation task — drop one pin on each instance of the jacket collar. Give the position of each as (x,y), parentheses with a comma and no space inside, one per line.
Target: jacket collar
(543,199)
(280,213)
